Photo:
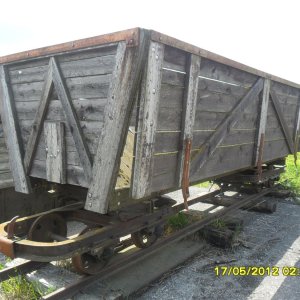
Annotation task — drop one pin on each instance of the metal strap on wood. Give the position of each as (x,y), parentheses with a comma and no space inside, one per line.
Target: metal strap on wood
(189,112)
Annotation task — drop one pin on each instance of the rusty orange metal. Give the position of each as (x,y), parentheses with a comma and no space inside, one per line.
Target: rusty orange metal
(7,247)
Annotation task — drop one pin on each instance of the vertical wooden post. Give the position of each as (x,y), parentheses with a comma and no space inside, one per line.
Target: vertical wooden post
(148,115)
(12,134)
(126,78)
(258,150)
(55,148)
(296,132)
(189,107)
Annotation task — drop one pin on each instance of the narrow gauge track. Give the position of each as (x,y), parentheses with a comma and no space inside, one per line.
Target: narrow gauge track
(83,282)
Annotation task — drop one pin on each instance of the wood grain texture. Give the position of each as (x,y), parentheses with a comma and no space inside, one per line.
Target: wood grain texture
(12,134)
(282,121)
(72,121)
(55,148)
(223,129)
(37,124)
(189,109)
(149,107)
(122,93)
(262,122)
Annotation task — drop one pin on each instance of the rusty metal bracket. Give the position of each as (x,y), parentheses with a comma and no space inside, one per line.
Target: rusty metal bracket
(11,227)
(185,183)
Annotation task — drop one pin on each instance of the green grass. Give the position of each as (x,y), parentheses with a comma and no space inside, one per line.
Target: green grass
(20,288)
(178,221)
(206,184)
(291,179)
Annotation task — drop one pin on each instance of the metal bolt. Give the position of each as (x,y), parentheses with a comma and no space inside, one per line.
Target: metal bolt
(154,91)
(90,204)
(90,195)
(156,57)
(153,49)
(46,149)
(58,151)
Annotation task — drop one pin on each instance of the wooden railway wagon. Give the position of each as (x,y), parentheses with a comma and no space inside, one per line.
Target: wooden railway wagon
(124,117)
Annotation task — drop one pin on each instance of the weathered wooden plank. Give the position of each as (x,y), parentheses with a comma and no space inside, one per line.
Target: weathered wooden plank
(36,127)
(281,119)
(79,87)
(210,85)
(287,99)
(173,78)
(55,148)
(167,141)
(169,119)
(88,67)
(122,93)
(12,134)
(6,180)
(259,143)
(223,161)
(275,149)
(75,174)
(171,97)
(284,89)
(72,120)
(217,71)
(174,59)
(218,136)
(86,109)
(189,110)
(164,164)
(209,101)
(164,181)
(85,67)
(148,122)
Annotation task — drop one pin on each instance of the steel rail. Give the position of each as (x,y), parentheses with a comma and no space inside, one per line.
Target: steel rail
(72,289)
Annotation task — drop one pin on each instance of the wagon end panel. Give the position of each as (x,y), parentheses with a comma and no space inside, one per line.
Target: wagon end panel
(71,91)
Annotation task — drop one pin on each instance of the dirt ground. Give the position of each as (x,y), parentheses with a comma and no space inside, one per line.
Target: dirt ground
(267,240)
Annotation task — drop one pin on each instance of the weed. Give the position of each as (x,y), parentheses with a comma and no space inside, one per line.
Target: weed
(219,224)
(290,179)
(178,221)
(19,288)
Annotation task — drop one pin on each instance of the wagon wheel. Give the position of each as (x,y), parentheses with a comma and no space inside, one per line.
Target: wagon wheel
(48,228)
(146,237)
(93,261)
